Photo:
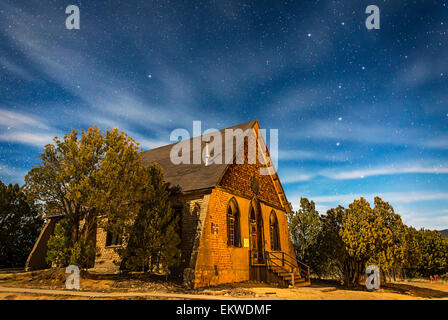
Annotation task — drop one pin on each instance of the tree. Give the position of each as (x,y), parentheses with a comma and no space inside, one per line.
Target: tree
(20,224)
(331,251)
(434,252)
(83,177)
(59,246)
(390,254)
(368,235)
(305,226)
(153,239)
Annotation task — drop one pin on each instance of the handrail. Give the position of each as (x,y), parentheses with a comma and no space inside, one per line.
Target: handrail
(292,263)
(269,260)
(304,271)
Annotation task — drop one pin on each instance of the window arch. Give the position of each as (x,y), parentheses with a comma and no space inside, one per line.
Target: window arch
(233,224)
(274,231)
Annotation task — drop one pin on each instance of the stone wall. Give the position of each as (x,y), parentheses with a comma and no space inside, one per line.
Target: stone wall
(106,260)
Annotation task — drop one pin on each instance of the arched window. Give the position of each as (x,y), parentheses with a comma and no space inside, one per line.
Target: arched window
(233,224)
(275,235)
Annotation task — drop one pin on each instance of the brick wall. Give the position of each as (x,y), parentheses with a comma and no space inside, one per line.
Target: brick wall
(239,178)
(217,262)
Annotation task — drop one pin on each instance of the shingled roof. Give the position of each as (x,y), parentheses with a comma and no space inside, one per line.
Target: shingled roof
(190,177)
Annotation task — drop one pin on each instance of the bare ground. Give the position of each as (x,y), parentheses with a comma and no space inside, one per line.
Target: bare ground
(141,286)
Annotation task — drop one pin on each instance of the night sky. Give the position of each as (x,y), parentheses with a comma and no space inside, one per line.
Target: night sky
(360,112)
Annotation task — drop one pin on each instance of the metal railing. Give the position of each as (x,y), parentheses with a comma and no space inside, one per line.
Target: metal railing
(287,263)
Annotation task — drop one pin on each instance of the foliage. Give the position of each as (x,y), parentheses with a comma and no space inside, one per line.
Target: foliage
(344,241)
(20,224)
(330,251)
(153,239)
(434,252)
(99,175)
(305,226)
(85,176)
(59,246)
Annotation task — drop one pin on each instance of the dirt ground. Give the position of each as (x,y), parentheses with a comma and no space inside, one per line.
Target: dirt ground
(139,286)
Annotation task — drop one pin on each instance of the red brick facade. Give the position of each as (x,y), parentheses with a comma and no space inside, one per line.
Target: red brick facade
(219,263)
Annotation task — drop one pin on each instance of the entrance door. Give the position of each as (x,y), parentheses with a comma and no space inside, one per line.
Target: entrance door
(256,235)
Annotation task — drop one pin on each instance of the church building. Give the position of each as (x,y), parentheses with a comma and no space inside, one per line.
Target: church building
(233,215)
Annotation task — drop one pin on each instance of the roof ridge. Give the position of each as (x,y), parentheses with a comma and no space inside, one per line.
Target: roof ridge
(218,130)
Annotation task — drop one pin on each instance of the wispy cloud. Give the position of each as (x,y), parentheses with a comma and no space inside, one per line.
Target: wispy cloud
(294,176)
(11,175)
(297,154)
(367,133)
(393,197)
(13,119)
(33,139)
(16,69)
(24,128)
(386,170)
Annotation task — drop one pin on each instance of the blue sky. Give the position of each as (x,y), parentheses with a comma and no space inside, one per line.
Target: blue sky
(360,112)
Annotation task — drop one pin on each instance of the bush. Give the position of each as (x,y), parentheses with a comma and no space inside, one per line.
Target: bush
(61,252)
(59,244)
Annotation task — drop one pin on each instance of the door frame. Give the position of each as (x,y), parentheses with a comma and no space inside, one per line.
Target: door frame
(256,257)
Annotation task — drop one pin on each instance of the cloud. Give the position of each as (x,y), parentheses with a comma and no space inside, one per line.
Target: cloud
(432,223)
(11,175)
(366,133)
(297,154)
(101,88)
(24,128)
(16,70)
(293,176)
(438,143)
(393,197)
(33,139)
(387,170)
(16,119)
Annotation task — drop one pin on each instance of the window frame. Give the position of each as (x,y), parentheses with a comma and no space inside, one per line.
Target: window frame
(274,232)
(233,218)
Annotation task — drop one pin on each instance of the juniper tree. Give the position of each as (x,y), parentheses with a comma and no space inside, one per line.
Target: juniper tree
(153,239)
(20,224)
(305,226)
(85,176)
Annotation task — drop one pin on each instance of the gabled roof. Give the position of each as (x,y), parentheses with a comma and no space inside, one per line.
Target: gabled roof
(190,176)
(198,177)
